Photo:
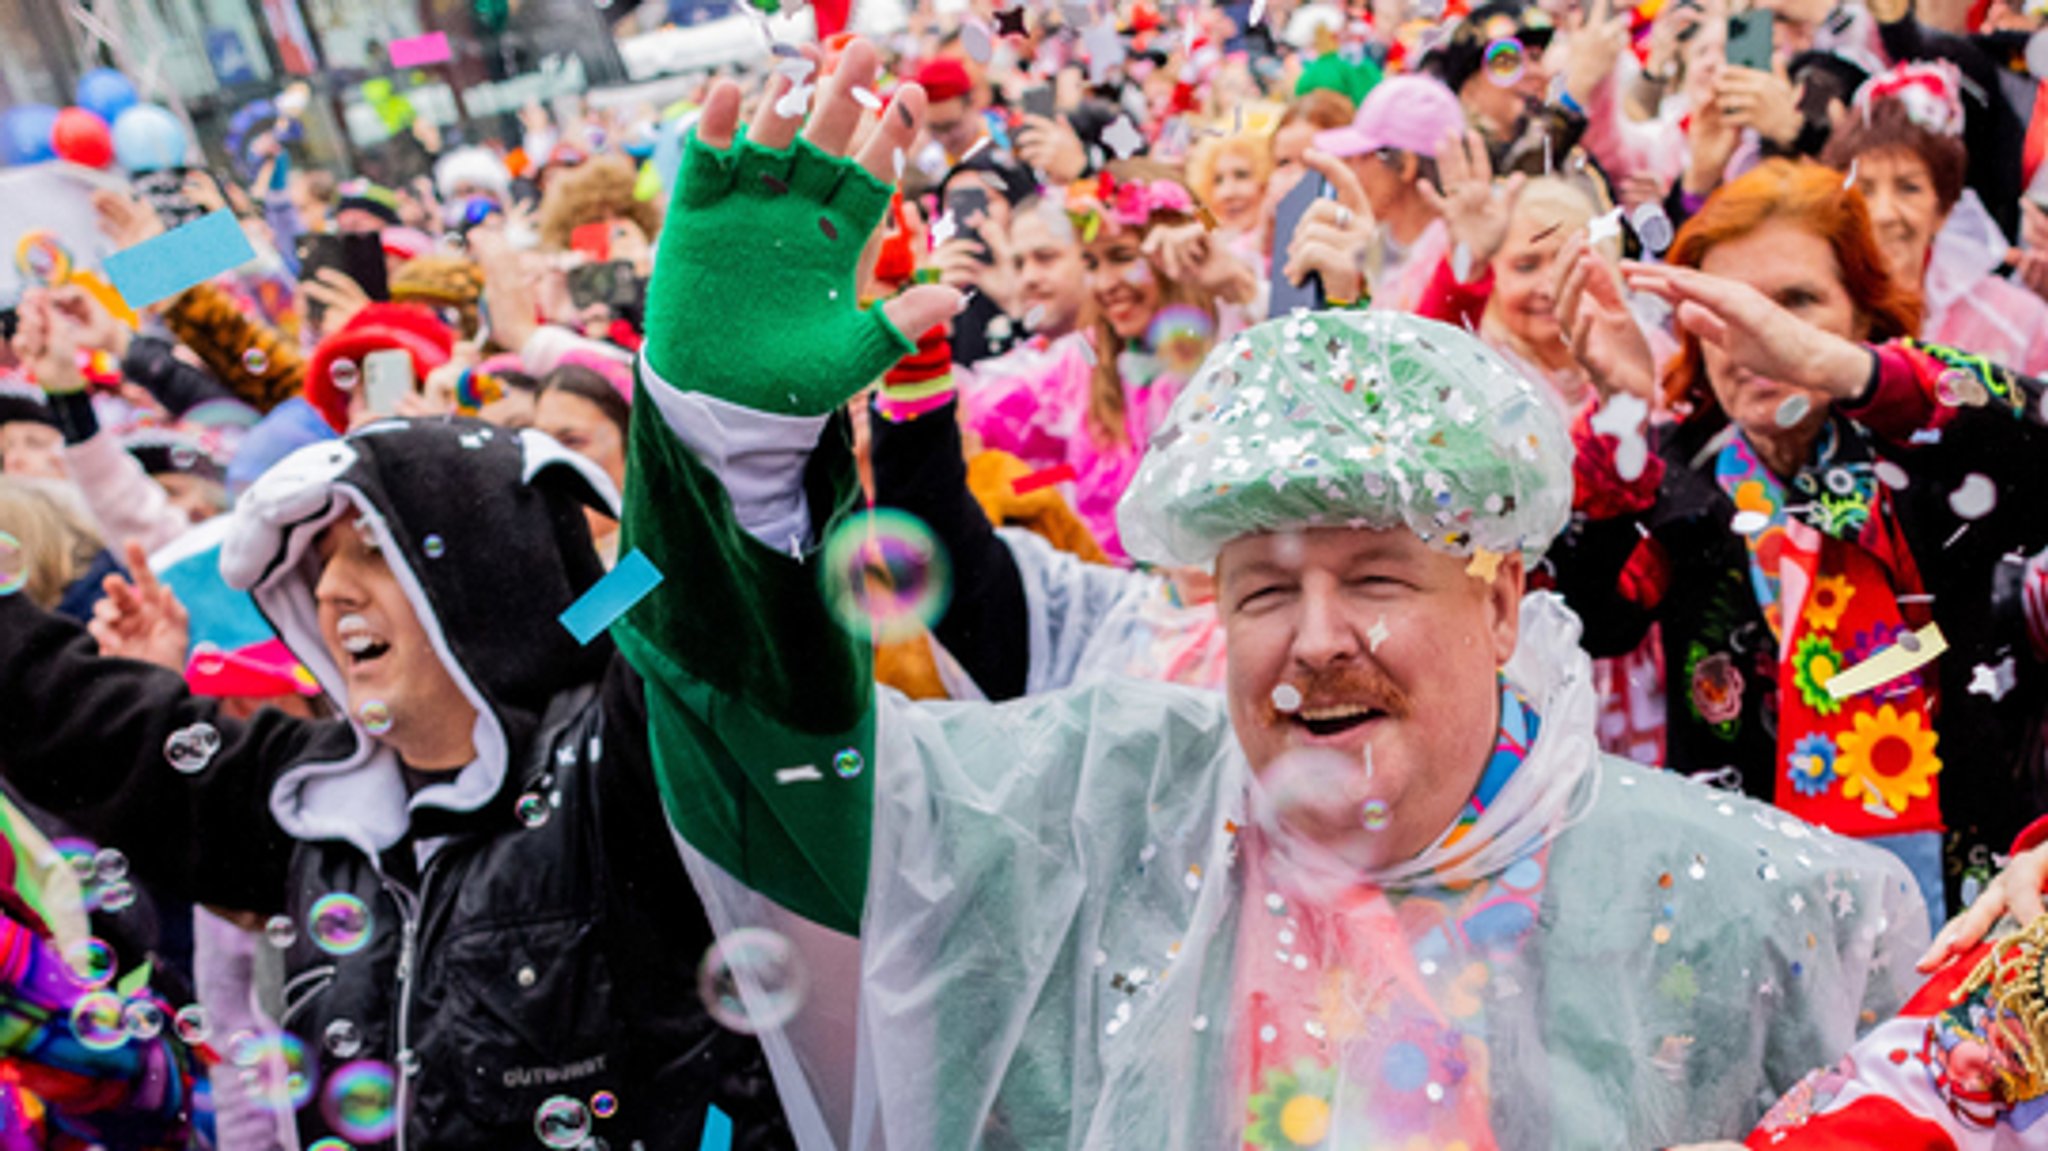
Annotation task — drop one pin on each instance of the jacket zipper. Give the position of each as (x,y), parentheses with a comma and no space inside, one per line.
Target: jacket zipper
(409,907)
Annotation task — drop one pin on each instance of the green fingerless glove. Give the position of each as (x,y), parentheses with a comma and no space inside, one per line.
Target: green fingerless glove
(753,297)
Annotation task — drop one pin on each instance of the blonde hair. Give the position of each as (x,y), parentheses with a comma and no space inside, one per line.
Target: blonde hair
(1566,203)
(58,539)
(1256,150)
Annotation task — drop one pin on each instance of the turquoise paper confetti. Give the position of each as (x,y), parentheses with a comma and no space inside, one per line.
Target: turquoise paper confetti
(717,1129)
(611,597)
(160,268)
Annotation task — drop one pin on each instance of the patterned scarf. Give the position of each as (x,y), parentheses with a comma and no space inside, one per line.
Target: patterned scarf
(1829,567)
(1364,1013)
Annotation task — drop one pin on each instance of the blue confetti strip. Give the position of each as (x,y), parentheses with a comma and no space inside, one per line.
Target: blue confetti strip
(160,268)
(611,597)
(717,1131)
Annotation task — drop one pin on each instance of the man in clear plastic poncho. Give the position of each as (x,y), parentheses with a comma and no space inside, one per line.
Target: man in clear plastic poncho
(1383,892)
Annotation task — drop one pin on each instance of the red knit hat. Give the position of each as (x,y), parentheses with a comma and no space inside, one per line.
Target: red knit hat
(944,78)
(377,328)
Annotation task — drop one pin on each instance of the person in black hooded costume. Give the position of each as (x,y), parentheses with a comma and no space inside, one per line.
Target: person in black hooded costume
(488,798)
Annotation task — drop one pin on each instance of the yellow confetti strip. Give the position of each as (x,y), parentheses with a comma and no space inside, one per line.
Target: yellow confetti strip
(1901,658)
(1484,564)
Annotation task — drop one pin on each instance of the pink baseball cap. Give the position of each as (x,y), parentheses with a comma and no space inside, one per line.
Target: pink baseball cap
(1411,113)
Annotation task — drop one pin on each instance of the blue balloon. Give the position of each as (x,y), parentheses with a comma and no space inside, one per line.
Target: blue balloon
(106,93)
(148,138)
(25,134)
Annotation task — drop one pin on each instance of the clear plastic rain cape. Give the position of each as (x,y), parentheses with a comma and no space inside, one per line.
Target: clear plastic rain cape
(1079,933)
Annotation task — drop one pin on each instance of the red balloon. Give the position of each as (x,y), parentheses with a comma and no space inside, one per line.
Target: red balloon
(82,137)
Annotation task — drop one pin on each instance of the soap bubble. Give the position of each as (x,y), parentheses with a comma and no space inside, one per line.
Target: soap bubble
(532,809)
(376,717)
(848,763)
(344,375)
(357,1101)
(255,362)
(343,1039)
(274,1069)
(885,576)
(96,1021)
(190,749)
(109,866)
(339,923)
(604,1105)
(91,963)
(562,1122)
(281,931)
(1180,336)
(13,565)
(1505,61)
(117,896)
(143,1018)
(752,980)
(192,1025)
(244,1048)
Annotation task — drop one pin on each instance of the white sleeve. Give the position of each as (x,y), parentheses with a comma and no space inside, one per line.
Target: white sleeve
(125,501)
(759,457)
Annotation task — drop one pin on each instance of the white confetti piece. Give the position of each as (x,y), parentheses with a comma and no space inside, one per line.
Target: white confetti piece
(1624,417)
(793,102)
(977,42)
(1123,138)
(867,99)
(803,774)
(1793,410)
(1974,498)
(1993,680)
(1606,226)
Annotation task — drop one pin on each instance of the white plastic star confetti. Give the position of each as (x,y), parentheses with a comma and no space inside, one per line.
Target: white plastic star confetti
(1993,680)
(1377,634)
(1123,138)
(1604,227)
(793,102)
(1974,498)
(1624,417)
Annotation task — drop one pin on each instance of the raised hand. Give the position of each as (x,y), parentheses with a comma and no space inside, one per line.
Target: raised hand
(141,620)
(1050,146)
(1473,209)
(1766,101)
(1710,144)
(1333,235)
(1755,332)
(1598,326)
(1593,50)
(124,219)
(47,342)
(753,298)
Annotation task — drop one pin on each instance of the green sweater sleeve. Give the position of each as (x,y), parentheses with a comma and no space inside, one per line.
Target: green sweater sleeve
(760,707)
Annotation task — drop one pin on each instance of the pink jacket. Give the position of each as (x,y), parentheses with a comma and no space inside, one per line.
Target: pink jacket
(1969,306)
(1034,404)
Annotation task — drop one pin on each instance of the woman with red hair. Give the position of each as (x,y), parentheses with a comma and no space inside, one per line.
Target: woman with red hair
(1825,513)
